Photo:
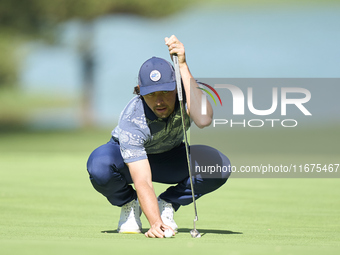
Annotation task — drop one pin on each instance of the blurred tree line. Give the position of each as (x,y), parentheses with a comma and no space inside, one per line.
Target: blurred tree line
(21,21)
(27,20)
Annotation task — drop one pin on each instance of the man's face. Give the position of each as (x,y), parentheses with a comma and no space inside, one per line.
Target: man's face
(162,103)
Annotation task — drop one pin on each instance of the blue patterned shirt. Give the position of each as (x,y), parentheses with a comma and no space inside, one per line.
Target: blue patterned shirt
(141,132)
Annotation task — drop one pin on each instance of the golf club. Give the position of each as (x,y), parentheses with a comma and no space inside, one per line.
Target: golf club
(194,232)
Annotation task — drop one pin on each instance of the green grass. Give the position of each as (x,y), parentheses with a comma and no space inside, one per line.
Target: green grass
(48,206)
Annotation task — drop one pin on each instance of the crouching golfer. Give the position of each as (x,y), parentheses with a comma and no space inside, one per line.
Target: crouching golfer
(147,146)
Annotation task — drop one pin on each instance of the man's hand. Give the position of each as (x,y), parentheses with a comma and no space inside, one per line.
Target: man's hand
(176,47)
(193,95)
(141,175)
(157,230)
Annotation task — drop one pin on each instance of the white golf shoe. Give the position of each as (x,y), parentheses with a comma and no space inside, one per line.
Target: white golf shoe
(129,221)
(167,214)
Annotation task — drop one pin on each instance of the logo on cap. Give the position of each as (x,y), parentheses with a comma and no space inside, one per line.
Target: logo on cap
(155,75)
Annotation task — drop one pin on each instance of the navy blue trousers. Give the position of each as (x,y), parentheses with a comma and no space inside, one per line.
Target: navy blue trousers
(110,176)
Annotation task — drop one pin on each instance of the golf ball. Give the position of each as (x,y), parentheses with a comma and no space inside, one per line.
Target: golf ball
(168,233)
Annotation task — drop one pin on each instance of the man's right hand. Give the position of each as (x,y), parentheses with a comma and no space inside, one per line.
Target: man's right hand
(141,175)
(157,230)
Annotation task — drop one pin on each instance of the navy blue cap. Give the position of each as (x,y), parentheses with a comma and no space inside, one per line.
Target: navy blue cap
(156,74)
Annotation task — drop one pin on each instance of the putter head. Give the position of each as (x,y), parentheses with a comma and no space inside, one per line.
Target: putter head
(194,233)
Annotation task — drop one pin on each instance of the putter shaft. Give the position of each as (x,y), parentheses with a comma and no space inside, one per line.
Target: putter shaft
(180,98)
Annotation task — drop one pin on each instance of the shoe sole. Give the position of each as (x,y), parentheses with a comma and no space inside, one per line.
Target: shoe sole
(129,231)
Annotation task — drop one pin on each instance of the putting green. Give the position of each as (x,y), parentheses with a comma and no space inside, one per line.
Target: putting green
(48,206)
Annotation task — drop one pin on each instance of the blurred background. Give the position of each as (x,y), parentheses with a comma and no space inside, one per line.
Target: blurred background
(67,70)
(70,64)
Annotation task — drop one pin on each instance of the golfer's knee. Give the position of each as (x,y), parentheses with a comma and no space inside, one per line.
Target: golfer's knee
(99,169)
(222,177)
(218,182)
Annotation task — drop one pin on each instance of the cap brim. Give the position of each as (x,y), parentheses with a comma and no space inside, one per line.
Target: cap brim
(157,87)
